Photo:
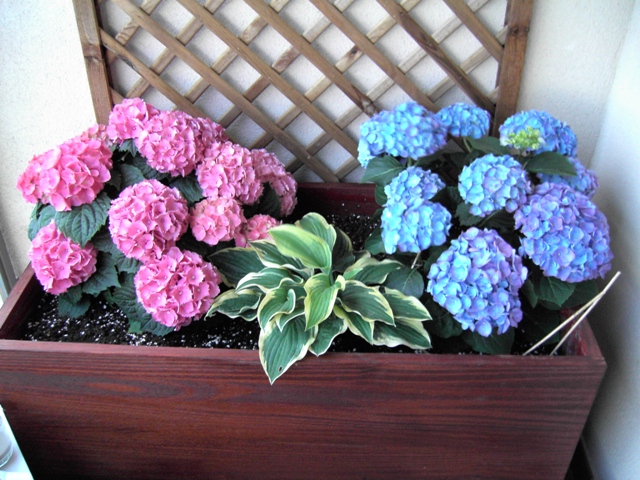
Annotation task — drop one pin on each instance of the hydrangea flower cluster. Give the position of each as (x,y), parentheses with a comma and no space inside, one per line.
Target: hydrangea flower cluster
(554,135)
(564,233)
(477,280)
(413,184)
(491,183)
(256,228)
(407,131)
(215,220)
(177,287)
(270,170)
(147,219)
(227,171)
(60,263)
(584,181)
(415,226)
(128,119)
(464,120)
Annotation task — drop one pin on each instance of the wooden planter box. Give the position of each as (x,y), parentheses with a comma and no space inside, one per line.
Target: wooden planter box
(111,411)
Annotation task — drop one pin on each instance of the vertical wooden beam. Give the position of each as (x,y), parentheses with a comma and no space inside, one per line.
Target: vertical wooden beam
(87,20)
(518,18)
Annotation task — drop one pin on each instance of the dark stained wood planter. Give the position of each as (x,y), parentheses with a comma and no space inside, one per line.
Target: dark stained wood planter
(111,411)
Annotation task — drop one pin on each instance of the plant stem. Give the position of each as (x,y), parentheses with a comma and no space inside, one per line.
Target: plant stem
(415,260)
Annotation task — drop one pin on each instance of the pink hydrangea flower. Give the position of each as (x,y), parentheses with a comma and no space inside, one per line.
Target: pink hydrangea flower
(69,175)
(177,288)
(128,119)
(256,228)
(210,132)
(170,143)
(147,219)
(95,132)
(60,263)
(227,171)
(270,170)
(215,220)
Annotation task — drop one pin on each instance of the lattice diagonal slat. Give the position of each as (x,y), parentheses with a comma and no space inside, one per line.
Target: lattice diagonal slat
(298,77)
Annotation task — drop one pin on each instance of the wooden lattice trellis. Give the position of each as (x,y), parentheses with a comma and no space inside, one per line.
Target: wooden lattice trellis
(108,46)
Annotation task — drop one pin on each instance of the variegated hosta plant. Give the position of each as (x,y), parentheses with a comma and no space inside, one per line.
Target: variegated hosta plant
(306,285)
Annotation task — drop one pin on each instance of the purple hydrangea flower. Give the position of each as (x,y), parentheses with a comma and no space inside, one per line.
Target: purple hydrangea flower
(407,131)
(414,183)
(584,181)
(413,226)
(492,183)
(477,280)
(464,120)
(564,233)
(554,135)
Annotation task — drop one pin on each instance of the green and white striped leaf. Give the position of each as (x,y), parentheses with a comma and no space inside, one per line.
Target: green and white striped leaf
(279,349)
(310,249)
(270,256)
(234,263)
(316,224)
(237,304)
(276,301)
(406,332)
(268,279)
(327,331)
(367,301)
(342,254)
(321,296)
(356,324)
(370,271)
(406,307)
(283,318)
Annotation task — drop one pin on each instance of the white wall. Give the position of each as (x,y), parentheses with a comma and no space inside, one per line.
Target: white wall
(576,49)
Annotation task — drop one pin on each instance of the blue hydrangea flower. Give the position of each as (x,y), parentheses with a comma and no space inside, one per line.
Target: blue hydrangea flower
(492,183)
(564,233)
(554,135)
(407,131)
(413,184)
(477,280)
(464,120)
(414,226)
(584,181)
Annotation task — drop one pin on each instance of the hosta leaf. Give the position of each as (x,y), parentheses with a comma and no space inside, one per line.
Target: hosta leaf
(371,271)
(551,163)
(40,217)
(237,304)
(189,188)
(71,307)
(358,325)
(406,280)
(268,279)
(342,254)
(366,301)
(129,174)
(381,170)
(488,145)
(81,223)
(104,277)
(283,318)
(279,349)
(277,301)
(373,244)
(405,307)
(327,331)
(234,263)
(494,344)
(311,250)
(321,297)
(270,256)
(317,225)
(406,332)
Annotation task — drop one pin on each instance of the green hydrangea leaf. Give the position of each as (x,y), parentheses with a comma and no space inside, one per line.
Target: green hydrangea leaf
(380,195)
(381,170)
(81,223)
(442,323)
(41,215)
(269,204)
(279,349)
(488,144)
(494,344)
(537,324)
(327,332)
(234,263)
(147,170)
(129,174)
(464,215)
(551,163)
(406,280)
(582,293)
(406,332)
(373,244)
(72,308)
(189,188)
(105,276)
(553,291)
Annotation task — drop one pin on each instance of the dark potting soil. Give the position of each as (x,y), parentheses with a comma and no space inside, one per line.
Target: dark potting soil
(105,324)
